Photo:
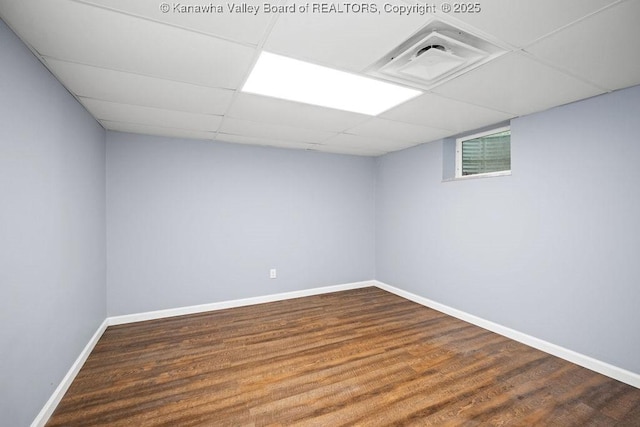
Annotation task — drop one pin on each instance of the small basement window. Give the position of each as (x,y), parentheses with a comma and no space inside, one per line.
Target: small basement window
(484,154)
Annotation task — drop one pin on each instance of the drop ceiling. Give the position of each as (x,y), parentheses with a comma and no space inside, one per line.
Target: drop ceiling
(137,69)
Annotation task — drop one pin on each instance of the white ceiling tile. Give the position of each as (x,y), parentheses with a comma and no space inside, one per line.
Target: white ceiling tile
(126,113)
(263,109)
(90,35)
(375,144)
(602,49)
(397,131)
(349,41)
(337,149)
(516,84)
(128,88)
(443,113)
(155,130)
(276,132)
(242,27)
(520,22)
(239,139)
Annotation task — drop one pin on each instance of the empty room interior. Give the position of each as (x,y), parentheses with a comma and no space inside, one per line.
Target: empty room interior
(321,214)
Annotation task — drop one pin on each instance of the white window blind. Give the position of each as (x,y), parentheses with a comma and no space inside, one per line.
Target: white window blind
(485,153)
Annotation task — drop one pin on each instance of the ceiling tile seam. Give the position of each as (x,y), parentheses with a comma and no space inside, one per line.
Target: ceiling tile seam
(286,141)
(168,24)
(320,140)
(91,98)
(226,116)
(157,126)
(269,143)
(473,104)
(324,140)
(334,149)
(407,122)
(572,23)
(563,70)
(256,56)
(118,70)
(153,108)
(385,140)
(368,146)
(371,119)
(431,128)
(352,151)
(439,95)
(334,130)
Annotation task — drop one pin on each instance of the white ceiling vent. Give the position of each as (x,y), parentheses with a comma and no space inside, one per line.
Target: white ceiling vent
(437,53)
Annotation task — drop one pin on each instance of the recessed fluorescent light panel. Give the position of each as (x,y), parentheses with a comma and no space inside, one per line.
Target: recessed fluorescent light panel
(286,78)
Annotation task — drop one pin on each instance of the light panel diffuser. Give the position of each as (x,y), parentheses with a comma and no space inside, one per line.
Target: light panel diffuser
(294,80)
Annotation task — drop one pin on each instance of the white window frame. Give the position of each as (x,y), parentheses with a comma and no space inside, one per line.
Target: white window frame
(458,165)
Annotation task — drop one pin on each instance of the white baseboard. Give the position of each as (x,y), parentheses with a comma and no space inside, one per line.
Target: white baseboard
(171,312)
(604,368)
(48,408)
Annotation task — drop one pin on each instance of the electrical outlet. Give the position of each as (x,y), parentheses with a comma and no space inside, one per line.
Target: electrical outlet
(273,273)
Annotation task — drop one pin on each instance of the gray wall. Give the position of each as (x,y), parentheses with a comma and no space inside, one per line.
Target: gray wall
(193,222)
(52,231)
(550,251)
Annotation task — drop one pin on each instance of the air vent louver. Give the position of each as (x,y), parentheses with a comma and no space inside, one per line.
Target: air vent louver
(437,53)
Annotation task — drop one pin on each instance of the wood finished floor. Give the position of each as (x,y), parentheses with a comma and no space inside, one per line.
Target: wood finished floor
(361,357)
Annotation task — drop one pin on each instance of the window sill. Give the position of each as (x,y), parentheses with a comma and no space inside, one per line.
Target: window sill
(478,176)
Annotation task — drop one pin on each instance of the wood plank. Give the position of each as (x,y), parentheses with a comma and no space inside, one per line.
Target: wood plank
(363,357)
